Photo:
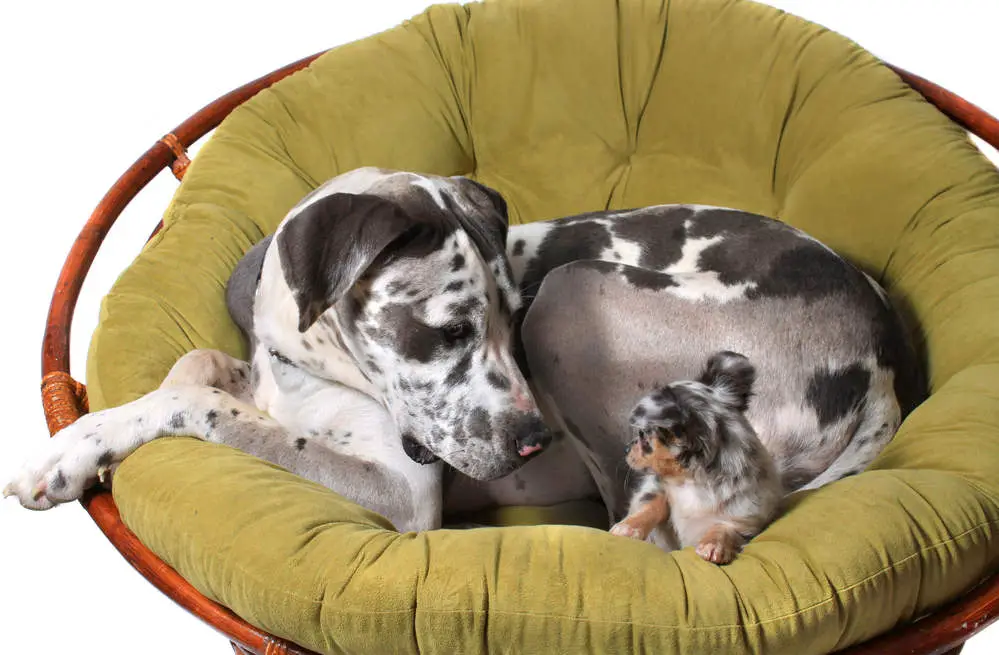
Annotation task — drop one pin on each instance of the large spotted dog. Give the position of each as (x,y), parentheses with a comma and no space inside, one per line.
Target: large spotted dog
(394,322)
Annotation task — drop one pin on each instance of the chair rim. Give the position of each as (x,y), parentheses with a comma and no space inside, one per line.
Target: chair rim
(64,399)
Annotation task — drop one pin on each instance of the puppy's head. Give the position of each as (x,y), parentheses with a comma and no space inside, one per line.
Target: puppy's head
(408,273)
(682,429)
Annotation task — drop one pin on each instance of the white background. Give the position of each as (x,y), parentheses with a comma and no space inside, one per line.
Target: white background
(87,87)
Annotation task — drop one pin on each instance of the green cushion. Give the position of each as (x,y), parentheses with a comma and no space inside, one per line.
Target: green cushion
(566,106)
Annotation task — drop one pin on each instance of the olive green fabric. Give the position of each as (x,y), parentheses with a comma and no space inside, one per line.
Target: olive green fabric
(566,106)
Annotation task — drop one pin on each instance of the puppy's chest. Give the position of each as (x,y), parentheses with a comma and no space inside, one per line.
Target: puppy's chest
(692,503)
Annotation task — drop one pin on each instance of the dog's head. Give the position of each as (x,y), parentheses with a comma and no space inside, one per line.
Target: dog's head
(686,426)
(408,273)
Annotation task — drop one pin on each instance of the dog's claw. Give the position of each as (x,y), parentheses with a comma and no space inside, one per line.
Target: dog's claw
(38,491)
(102,473)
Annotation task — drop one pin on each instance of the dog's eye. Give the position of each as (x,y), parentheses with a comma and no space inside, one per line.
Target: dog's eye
(458,331)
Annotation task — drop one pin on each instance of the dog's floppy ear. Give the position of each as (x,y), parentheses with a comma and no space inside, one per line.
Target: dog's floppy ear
(732,376)
(327,247)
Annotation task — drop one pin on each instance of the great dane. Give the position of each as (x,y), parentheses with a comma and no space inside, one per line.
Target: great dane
(413,353)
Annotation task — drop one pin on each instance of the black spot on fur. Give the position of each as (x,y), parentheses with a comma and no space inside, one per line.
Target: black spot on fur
(457,262)
(105,459)
(59,481)
(479,425)
(660,233)
(498,380)
(300,443)
(234,412)
(834,395)
(413,339)
(649,496)
(459,373)
(211,418)
(177,421)
(306,345)
(641,278)
(566,242)
(518,247)
(455,286)
(808,271)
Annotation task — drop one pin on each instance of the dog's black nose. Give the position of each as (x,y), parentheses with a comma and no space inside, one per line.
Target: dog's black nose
(532,437)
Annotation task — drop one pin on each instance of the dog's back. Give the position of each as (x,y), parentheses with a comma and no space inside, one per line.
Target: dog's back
(665,287)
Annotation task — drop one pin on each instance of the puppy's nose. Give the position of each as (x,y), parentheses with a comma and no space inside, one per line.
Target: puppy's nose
(533,437)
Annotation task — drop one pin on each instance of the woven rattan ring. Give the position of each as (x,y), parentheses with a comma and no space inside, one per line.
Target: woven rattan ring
(64,400)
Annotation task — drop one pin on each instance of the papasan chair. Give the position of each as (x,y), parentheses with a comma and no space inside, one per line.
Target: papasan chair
(566,106)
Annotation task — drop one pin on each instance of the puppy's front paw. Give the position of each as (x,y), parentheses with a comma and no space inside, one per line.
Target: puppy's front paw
(64,466)
(625,529)
(719,546)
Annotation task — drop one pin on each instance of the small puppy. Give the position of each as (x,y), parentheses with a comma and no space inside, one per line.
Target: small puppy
(703,466)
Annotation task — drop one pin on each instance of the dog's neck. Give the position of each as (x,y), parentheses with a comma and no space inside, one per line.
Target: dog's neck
(320,350)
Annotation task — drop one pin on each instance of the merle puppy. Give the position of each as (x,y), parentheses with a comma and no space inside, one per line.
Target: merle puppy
(706,479)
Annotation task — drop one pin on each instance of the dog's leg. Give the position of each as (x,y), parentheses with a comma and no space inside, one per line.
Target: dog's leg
(212,368)
(649,509)
(84,452)
(877,425)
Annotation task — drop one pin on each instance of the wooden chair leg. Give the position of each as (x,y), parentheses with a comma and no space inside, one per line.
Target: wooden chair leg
(238,650)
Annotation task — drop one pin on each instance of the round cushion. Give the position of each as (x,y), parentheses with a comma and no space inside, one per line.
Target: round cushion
(567,106)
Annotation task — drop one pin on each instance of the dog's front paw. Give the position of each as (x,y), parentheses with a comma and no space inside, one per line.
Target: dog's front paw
(64,466)
(625,529)
(719,546)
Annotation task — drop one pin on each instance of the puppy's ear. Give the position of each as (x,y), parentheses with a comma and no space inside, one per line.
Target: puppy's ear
(327,247)
(661,408)
(732,376)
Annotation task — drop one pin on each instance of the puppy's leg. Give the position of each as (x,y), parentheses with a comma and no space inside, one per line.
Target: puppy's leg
(649,508)
(720,544)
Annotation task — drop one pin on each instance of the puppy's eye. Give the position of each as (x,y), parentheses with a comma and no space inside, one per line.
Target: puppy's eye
(458,331)
(665,435)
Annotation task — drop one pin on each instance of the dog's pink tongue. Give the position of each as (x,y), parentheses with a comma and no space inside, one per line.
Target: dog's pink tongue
(528,450)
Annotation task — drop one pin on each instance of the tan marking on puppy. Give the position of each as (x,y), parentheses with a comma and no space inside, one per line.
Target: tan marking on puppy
(643,519)
(652,455)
